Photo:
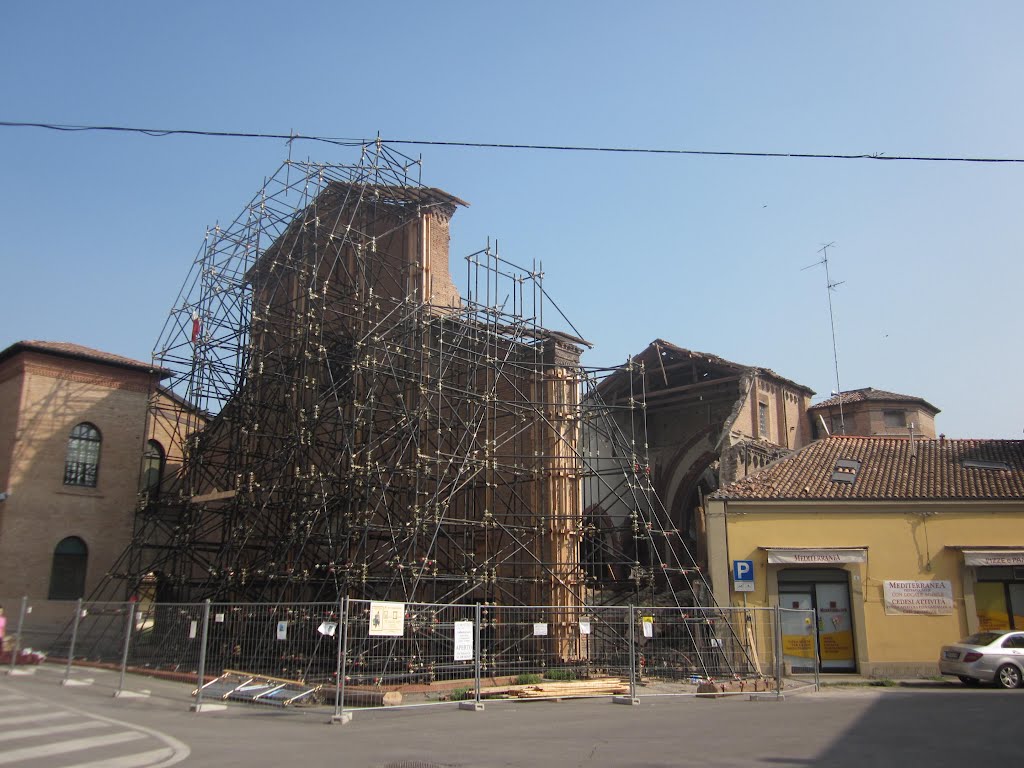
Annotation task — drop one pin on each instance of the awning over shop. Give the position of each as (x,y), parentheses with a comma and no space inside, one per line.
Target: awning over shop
(816,555)
(981,556)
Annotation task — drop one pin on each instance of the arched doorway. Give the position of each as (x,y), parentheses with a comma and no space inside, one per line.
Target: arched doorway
(67,575)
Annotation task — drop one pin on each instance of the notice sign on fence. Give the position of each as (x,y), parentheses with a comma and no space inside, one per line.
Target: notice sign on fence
(463,640)
(923,598)
(282,630)
(584,626)
(540,629)
(387,619)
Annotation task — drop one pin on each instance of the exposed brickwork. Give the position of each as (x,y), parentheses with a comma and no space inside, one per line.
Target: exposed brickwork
(44,395)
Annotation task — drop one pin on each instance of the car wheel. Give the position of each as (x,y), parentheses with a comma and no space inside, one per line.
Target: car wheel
(1008,676)
(969,680)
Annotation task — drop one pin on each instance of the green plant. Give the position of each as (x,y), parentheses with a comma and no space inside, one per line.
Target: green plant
(527,679)
(560,674)
(460,694)
(884,682)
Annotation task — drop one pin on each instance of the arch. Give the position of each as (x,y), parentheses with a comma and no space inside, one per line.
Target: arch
(67,573)
(82,461)
(153,460)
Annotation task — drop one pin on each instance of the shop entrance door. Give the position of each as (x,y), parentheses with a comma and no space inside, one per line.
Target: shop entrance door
(827,591)
(797,630)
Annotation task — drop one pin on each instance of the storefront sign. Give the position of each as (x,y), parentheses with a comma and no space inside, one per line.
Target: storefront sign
(924,598)
(816,556)
(983,557)
(387,619)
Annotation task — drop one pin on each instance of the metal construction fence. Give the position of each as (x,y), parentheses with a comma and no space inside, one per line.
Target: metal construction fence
(361,652)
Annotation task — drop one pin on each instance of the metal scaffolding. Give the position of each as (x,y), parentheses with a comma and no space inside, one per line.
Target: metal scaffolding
(338,419)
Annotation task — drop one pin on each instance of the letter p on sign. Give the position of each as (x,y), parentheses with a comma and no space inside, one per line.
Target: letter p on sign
(743,575)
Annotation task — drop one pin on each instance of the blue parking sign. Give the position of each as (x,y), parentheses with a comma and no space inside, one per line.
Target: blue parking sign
(743,575)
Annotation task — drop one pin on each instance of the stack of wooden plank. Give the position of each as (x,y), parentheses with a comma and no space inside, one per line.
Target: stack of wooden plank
(599,686)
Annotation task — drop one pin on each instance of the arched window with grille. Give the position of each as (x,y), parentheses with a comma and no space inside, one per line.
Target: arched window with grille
(67,574)
(82,465)
(152,468)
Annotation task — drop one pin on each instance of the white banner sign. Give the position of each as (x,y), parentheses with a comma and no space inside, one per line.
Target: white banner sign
(540,629)
(387,619)
(816,556)
(584,626)
(463,640)
(976,557)
(922,598)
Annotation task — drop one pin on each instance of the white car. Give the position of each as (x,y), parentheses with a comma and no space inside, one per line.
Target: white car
(986,657)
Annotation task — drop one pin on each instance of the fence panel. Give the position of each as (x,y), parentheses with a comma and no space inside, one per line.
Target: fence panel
(424,649)
(430,653)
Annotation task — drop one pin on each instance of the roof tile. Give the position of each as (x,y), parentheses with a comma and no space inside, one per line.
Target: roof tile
(891,468)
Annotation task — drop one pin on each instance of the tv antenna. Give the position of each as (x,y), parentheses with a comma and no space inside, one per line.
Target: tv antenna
(829,287)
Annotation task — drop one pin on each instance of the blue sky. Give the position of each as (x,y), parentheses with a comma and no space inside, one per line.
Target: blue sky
(99,230)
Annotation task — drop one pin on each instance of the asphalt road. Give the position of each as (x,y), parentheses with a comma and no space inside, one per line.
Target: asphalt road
(933,725)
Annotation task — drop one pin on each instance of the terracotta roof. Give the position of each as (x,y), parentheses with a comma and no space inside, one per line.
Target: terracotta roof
(937,470)
(78,352)
(871,394)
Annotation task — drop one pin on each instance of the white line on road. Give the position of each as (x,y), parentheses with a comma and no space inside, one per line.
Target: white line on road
(24,733)
(179,750)
(20,707)
(34,718)
(138,760)
(74,745)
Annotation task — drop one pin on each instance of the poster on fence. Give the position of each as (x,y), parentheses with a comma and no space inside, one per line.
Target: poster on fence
(584,626)
(387,619)
(327,628)
(920,598)
(647,624)
(463,641)
(282,630)
(540,629)
(192,627)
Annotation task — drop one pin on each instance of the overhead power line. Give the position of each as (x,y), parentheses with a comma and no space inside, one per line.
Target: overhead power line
(159,132)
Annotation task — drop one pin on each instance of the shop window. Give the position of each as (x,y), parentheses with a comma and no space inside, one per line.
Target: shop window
(67,574)
(999,598)
(82,462)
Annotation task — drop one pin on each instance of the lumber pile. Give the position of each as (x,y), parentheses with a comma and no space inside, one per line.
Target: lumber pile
(601,686)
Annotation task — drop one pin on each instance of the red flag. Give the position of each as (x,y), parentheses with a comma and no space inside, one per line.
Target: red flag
(196,326)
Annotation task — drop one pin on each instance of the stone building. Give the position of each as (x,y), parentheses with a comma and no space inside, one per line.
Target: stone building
(72,434)
(873,412)
(709,422)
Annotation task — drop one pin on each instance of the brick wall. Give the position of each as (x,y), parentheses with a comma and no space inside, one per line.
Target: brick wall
(41,511)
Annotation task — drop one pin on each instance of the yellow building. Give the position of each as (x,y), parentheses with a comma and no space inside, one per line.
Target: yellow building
(900,545)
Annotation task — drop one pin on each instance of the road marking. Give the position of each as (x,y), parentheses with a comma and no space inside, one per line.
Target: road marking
(177,750)
(34,718)
(20,707)
(24,733)
(138,760)
(74,745)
